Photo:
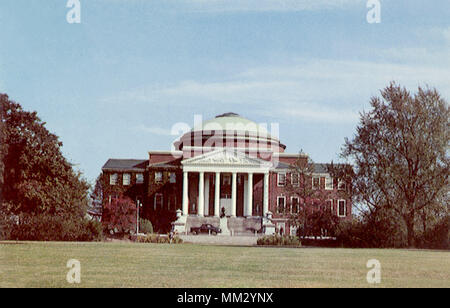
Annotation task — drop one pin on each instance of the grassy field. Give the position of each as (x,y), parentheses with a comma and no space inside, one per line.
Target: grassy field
(187,265)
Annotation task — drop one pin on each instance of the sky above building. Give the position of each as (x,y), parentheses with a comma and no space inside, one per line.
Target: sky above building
(114,85)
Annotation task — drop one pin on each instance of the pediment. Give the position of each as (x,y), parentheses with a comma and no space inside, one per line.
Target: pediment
(226,157)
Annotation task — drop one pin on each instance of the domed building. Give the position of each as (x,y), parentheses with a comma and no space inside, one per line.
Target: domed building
(228,172)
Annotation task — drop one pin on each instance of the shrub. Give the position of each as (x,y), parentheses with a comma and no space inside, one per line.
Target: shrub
(438,237)
(145,226)
(277,240)
(377,230)
(158,239)
(119,216)
(45,227)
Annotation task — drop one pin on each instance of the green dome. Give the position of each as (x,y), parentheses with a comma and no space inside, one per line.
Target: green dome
(233,122)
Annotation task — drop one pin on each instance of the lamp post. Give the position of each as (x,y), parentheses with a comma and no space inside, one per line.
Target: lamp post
(137,217)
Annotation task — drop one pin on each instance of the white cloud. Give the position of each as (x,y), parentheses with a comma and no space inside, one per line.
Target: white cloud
(318,90)
(446,34)
(265,5)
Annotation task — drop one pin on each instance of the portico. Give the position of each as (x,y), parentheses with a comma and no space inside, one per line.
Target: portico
(224,163)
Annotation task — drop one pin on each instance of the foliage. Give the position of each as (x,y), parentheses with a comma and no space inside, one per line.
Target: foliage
(277,240)
(161,220)
(34,175)
(370,232)
(314,217)
(315,223)
(119,216)
(45,227)
(97,196)
(401,164)
(158,239)
(437,237)
(145,226)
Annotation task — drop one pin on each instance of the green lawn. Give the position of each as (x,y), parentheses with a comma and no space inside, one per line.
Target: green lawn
(187,265)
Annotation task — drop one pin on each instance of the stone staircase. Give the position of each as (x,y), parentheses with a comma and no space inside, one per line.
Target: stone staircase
(195,222)
(244,226)
(229,226)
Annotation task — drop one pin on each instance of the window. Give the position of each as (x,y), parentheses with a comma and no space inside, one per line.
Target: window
(226,179)
(126,179)
(113,179)
(328,183)
(158,202)
(293,230)
(329,205)
(295,203)
(113,197)
(342,185)
(316,182)
(295,179)
(342,210)
(139,178)
(281,179)
(158,177)
(173,177)
(281,204)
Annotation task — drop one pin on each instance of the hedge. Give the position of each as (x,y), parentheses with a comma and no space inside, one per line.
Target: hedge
(277,240)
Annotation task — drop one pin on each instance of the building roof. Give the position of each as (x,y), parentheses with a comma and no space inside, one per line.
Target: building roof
(318,168)
(125,164)
(173,164)
(233,122)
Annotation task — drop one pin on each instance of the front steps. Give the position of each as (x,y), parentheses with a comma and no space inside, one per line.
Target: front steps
(229,225)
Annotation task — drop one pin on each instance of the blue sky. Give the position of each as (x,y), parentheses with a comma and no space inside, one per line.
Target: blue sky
(113,85)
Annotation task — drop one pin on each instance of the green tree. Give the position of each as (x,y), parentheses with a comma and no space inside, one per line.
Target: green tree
(400,158)
(35,177)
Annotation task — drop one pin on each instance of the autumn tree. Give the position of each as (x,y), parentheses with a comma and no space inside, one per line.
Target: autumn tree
(312,216)
(400,156)
(119,215)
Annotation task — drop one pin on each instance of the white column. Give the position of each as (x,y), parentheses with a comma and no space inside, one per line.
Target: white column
(245,194)
(266,194)
(217,196)
(201,194)
(250,195)
(233,195)
(206,195)
(185,193)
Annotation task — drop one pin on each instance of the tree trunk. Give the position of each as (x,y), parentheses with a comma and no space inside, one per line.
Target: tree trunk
(410,232)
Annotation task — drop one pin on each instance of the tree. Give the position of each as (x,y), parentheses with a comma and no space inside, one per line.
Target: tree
(35,177)
(119,215)
(97,196)
(400,158)
(313,216)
